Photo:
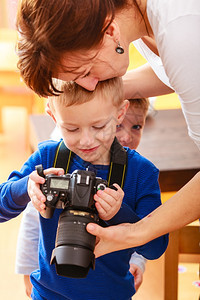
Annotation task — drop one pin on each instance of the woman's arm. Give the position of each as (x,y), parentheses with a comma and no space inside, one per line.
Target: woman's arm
(179,210)
(143,82)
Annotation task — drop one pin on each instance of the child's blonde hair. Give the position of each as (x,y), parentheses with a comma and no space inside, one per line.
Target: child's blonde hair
(142,103)
(73,94)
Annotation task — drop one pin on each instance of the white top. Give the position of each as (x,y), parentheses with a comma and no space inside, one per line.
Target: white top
(176,27)
(27,243)
(138,260)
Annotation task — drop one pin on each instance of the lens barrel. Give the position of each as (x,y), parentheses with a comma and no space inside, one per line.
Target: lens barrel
(73,255)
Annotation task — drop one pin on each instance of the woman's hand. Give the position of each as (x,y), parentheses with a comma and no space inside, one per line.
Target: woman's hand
(112,238)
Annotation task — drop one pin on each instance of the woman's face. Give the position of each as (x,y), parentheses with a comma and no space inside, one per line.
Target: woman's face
(87,67)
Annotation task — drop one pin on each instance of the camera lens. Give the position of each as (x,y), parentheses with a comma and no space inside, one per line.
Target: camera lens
(73,254)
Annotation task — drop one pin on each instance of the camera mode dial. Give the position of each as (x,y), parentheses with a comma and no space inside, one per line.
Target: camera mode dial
(101,186)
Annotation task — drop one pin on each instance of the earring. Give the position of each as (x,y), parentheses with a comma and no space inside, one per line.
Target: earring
(119,49)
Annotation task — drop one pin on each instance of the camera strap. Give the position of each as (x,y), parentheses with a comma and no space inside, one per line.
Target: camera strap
(63,157)
(118,162)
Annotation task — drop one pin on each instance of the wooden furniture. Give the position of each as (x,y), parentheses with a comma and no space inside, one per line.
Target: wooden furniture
(183,241)
(13,92)
(166,143)
(4,17)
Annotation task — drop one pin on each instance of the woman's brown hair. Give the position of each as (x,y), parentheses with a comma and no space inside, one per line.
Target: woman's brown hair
(47,29)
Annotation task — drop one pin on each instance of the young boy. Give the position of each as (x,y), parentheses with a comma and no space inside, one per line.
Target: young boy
(129,133)
(87,121)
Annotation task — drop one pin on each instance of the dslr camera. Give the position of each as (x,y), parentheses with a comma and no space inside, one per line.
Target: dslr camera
(73,253)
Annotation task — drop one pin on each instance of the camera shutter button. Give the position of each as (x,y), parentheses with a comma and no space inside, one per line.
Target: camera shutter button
(49,197)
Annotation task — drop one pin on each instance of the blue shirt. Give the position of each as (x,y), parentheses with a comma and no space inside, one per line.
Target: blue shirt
(111,278)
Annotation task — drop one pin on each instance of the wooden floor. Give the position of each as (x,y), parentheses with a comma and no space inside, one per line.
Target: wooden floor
(13,153)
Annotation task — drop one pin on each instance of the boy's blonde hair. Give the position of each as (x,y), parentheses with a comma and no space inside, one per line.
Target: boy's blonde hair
(142,103)
(73,94)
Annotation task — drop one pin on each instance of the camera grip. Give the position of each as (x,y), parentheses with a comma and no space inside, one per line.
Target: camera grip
(113,187)
(48,214)
(40,170)
(48,210)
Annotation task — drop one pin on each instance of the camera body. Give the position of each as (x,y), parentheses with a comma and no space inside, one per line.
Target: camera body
(74,191)
(73,254)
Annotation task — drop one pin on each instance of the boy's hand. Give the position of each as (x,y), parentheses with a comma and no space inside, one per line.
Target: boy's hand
(108,202)
(138,275)
(37,197)
(28,285)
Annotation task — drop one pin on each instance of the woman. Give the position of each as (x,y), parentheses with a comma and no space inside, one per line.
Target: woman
(88,40)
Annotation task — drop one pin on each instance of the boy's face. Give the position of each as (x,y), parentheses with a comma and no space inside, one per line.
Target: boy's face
(130,131)
(89,129)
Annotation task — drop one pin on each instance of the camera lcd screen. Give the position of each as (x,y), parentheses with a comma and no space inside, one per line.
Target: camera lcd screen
(57,183)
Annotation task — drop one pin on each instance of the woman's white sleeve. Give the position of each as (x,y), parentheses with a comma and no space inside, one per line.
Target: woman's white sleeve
(179,47)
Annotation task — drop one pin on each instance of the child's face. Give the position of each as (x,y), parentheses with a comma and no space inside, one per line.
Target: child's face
(130,131)
(89,129)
